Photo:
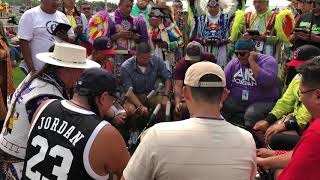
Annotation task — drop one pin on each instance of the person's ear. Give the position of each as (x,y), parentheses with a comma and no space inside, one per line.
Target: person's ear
(225,94)
(186,93)
(224,97)
(103,98)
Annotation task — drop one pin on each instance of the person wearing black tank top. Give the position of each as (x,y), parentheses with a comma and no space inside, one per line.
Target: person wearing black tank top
(87,146)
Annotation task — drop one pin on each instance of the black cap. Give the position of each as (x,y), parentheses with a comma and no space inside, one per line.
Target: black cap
(302,54)
(102,43)
(96,81)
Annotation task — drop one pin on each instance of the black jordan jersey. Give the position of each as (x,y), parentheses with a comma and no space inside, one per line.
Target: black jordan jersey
(59,143)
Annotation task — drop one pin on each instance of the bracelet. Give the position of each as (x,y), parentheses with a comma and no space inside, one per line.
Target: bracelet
(279,152)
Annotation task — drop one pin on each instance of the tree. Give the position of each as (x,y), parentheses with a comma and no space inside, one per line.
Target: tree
(33,3)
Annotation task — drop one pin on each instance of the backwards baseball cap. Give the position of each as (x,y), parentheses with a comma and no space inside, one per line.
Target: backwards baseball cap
(302,54)
(193,51)
(96,81)
(244,44)
(198,70)
(103,44)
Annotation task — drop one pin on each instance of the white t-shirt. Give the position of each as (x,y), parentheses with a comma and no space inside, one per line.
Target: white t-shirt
(194,149)
(143,69)
(85,22)
(36,26)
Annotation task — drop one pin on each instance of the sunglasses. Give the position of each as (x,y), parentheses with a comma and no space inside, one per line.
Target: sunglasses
(240,53)
(88,8)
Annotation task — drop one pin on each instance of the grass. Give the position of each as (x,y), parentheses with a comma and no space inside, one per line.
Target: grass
(18,76)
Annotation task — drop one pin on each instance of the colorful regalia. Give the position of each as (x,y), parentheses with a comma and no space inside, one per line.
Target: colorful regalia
(172,36)
(276,25)
(128,23)
(196,8)
(76,19)
(99,25)
(136,11)
(168,32)
(215,28)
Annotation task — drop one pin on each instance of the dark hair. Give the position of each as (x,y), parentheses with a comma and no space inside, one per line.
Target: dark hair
(208,95)
(51,48)
(142,48)
(310,72)
(76,12)
(121,1)
(85,3)
(91,97)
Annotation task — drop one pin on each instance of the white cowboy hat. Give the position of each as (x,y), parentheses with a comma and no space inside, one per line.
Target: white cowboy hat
(68,55)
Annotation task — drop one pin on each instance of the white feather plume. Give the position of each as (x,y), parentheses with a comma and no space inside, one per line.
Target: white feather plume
(227,6)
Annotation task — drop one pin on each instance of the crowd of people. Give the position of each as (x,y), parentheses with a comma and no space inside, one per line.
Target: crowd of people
(152,91)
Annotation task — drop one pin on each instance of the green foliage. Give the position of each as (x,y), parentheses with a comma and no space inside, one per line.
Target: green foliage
(18,76)
(23,2)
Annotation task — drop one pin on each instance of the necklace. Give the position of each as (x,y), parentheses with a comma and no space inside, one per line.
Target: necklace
(206,117)
(74,103)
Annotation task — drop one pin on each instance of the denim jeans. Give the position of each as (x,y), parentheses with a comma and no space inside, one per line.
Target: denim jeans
(15,54)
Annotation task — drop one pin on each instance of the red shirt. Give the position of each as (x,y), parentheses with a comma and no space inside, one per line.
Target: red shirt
(182,65)
(305,160)
(107,65)
(181,69)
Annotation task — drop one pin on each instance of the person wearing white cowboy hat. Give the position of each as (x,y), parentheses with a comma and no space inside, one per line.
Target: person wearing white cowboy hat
(63,68)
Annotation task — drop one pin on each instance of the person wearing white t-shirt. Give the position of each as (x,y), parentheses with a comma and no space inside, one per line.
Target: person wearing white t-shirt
(203,147)
(35,32)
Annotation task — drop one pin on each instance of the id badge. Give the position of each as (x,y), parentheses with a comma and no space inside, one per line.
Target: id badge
(259,46)
(245,95)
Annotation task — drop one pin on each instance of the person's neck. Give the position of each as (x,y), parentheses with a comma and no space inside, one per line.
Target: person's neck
(206,110)
(142,8)
(213,15)
(62,77)
(316,116)
(142,65)
(81,102)
(46,10)
(69,8)
(123,16)
(262,12)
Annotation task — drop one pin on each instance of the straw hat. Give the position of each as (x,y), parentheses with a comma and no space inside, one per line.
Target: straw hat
(67,55)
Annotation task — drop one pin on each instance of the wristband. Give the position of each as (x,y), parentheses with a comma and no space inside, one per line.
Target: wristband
(279,152)
(271,118)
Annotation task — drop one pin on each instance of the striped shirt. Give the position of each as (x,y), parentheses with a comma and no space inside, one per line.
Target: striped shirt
(194,149)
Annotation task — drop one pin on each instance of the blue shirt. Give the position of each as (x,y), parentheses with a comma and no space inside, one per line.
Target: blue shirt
(132,76)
